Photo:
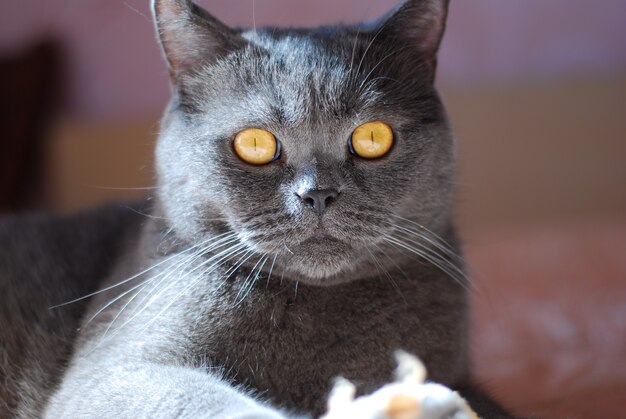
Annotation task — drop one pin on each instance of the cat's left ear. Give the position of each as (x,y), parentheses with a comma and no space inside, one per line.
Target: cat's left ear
(190,36)
(419,24)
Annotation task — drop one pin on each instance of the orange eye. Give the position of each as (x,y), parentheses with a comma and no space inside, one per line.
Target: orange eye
(256,146)
(371,140)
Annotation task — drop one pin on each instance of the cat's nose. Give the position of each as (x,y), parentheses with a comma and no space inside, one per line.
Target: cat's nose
(319,199)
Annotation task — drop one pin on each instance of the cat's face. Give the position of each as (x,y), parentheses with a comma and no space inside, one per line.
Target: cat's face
(318,209)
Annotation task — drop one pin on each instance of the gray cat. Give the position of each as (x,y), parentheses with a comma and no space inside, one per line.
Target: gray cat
(302,230)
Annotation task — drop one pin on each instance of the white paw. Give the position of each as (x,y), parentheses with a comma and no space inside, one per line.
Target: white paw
(407,398)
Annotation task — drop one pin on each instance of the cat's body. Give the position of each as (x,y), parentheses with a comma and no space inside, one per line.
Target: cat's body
(254,294)
(285,342)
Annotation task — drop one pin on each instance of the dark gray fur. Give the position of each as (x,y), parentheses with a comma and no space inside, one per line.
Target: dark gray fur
(261,323)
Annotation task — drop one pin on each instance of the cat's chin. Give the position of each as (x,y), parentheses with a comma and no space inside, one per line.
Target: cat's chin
(322,260)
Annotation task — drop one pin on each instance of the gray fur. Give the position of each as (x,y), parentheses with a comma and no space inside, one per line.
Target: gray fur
(249,303)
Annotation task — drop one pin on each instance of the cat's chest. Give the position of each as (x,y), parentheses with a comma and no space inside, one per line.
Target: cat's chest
(283,323)
(291,344)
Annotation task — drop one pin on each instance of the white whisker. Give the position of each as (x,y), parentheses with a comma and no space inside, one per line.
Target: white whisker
(210,261)
(269,275)
(165,273)
(427,254)
(110,287)
(225,241)
(220,261)
(432,233)
(248,284)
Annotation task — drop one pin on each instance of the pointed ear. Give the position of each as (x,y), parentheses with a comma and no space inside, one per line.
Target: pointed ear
(190,36)
(420,23)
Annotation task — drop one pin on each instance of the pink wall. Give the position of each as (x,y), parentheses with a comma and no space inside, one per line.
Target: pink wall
(115,68)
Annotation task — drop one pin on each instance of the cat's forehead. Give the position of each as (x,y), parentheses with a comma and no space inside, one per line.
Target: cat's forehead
(287,81)
(300,71)
(297,50)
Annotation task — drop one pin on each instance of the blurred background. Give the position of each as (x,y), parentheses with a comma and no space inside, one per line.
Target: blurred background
(536,91)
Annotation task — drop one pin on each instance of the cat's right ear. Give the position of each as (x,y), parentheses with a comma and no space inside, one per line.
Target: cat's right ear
(190,36)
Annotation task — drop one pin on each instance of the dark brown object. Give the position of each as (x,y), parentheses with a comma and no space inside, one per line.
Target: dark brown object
(29,94)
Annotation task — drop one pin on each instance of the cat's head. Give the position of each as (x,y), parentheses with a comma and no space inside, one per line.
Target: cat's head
(317,187)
